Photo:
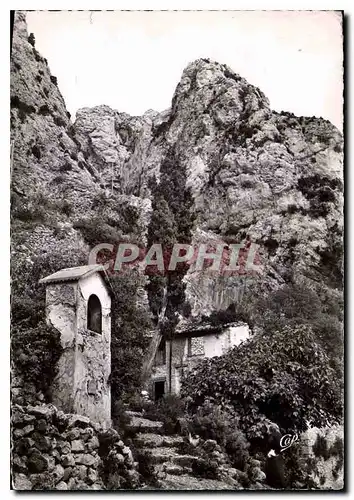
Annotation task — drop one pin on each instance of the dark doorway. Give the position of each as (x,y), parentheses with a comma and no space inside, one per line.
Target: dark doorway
(159,390)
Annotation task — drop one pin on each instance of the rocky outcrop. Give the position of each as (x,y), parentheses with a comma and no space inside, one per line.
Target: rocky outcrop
(322,452)
(52,450)
(271,177)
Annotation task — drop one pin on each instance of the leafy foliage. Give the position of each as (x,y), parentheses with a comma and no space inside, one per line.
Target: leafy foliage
(296,304)
(35,352)
(221,424)
(28,296)
(167,410)
(128,343)
(283,377)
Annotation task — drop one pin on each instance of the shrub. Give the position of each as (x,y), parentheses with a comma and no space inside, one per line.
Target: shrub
(59,179)
(95,231)
(73,155)
(337,448)
(35,352)
(23,108)
(24,308)
(320,447)
(28,295)
(271,377)
(36,151)
(54,79)
(213,422)
(59,121)
(30,213)
(120,418)
(37,55)
(66,208)
(168,410)
(298,471)
(205,468)
(247,184)
(31,39)
(65,167)
(44,110)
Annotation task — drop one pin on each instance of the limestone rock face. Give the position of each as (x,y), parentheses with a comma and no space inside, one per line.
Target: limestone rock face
(62,198)
(272,177)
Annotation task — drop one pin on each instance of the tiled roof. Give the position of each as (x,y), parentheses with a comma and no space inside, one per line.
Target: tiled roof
(75,274)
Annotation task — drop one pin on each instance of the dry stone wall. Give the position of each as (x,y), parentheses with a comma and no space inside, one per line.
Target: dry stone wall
(52,450)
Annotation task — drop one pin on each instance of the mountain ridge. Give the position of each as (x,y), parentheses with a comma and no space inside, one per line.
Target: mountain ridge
(271,177)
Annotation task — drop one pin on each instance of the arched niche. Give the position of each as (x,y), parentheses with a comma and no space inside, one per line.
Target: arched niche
(94,314)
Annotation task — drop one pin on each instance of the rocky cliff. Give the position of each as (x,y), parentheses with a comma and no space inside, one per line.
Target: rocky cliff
(271,177)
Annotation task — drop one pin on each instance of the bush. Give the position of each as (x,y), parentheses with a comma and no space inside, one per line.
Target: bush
(337,448)
(59,121)
(320,447)
(206,468)
(54,79)
(95,231)
(30,213)
(298,470)
(31,39)
(24,109)
(120,418)
(36,151)
(283,376)
(37,55)
(168,410)
(44,110)
(221,425)
(35,352)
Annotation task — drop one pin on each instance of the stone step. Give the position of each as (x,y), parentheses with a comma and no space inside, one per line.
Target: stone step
(132,413)
(172,469)
(140,424)
(186,482)
(169,455)
(152,440)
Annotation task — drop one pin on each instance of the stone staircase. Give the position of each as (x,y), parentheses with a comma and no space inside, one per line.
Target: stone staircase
(172,466)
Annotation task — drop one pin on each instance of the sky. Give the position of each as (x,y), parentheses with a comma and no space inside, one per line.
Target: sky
(133,60)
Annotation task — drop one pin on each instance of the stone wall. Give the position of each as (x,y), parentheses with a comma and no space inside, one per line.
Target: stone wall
(52,450)
(325,466)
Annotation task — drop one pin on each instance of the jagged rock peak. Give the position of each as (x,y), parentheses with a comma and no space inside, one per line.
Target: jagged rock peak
(205,75)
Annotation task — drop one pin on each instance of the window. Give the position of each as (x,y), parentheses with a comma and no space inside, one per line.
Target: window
(196,346)
(160,358)
(94,314)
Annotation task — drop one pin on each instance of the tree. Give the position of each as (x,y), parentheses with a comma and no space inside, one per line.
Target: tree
(128,340)
(171,222)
